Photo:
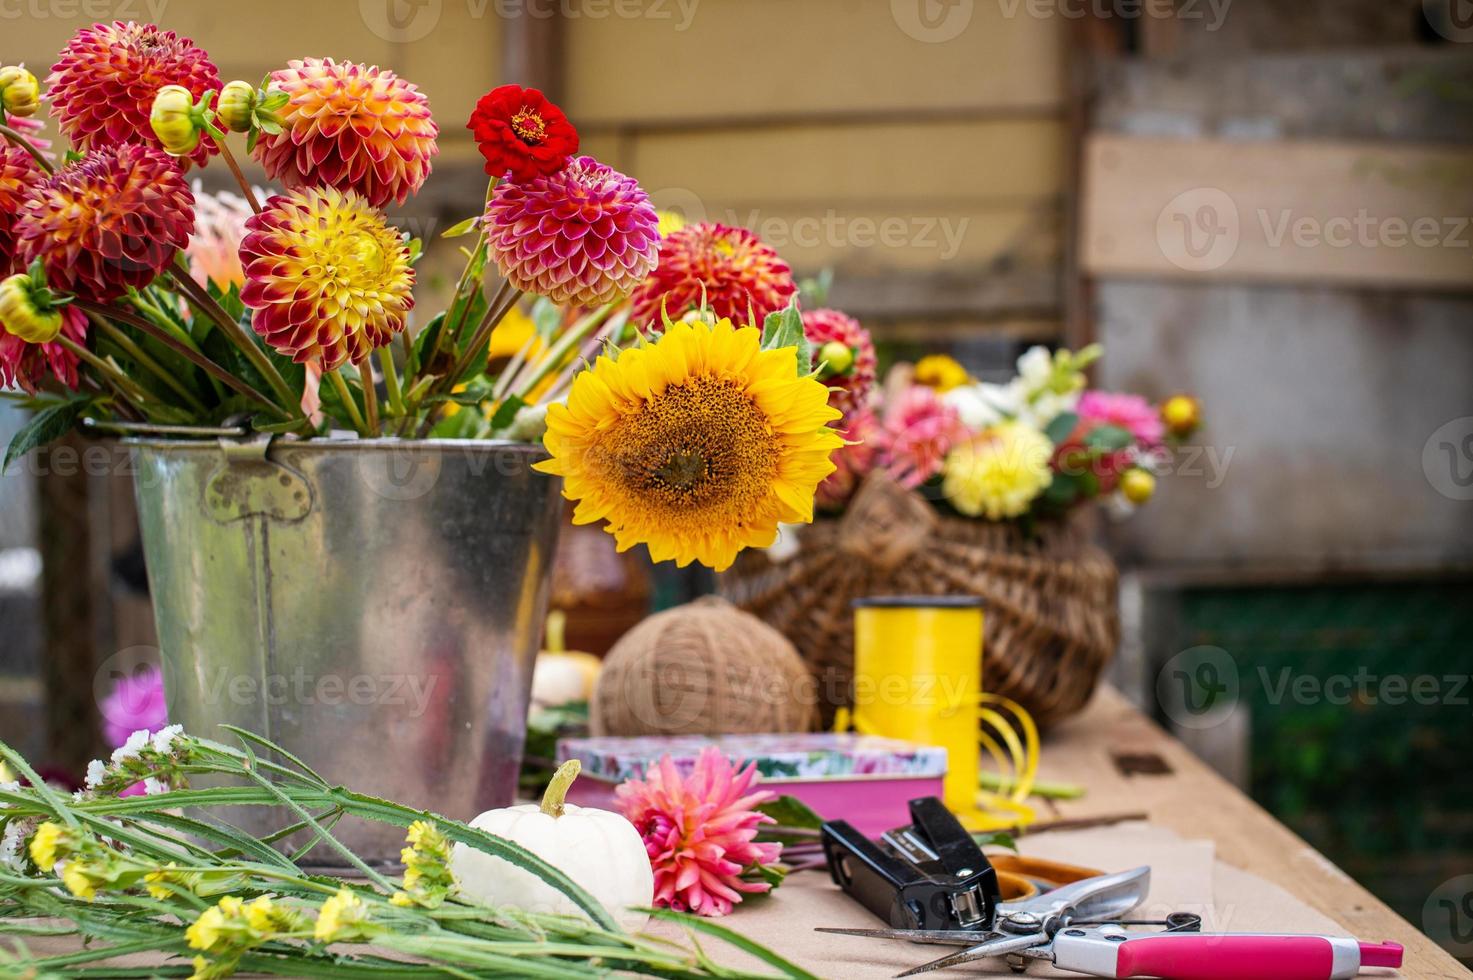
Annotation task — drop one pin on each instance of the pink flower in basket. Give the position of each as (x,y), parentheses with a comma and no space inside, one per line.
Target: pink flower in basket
(919,430)
(699,832)
(1130,412)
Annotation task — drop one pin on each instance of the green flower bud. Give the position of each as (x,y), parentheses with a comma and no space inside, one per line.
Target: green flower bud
(837,357)
(20,93)
(237,106)
(27,311)
(174,120)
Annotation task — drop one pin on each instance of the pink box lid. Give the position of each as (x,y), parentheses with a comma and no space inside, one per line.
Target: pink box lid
(779,758)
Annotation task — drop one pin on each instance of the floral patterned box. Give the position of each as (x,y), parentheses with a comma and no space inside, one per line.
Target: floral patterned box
(864,779)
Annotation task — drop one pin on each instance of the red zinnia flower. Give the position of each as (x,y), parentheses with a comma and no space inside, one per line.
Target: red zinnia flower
(114,219)
(521,133)
(103,83)
(26,365)
(849,391)
(731,267)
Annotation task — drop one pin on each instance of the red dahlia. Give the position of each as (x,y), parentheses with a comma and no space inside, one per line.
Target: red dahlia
(522,134)
(114,219)
(731,268)
(103,83)
(18,172)
(27,366)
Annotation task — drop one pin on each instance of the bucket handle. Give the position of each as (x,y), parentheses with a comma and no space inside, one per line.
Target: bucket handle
(248,484)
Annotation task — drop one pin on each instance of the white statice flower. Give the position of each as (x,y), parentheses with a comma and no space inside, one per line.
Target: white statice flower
(96,773)
(164,738)
(12,843)
(135,744)
(153,787)
(785,545)
(981,406)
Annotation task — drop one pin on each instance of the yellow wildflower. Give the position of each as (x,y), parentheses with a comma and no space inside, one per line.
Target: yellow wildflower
(74,874)
(48,844)
(261,916)
(339,917)
(206,930)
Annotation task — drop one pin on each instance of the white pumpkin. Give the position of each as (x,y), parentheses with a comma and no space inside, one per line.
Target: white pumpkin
(598,849)
(562,676)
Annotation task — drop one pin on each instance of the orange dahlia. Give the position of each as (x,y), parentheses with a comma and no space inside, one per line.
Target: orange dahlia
(18,173)
(328,278)
(104,81)
(350,127)
(733,268)
(850,369)
(584,235)
(112,220)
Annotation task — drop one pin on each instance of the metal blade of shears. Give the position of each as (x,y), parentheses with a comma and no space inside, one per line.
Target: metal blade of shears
(944,937)
(993,947)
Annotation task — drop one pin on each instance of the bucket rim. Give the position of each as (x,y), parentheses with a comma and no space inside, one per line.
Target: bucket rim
(206,445)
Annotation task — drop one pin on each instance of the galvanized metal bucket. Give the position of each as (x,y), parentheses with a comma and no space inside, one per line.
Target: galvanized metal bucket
(374,606)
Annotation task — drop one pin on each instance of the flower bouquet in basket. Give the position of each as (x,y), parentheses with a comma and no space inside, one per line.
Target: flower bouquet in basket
(948,485)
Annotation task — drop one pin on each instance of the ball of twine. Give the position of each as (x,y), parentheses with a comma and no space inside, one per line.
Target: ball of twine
(706,668)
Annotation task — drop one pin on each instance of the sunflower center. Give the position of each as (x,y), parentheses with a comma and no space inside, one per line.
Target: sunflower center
(697,445)
(529,125)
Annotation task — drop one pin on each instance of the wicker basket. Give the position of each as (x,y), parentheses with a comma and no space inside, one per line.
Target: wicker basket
(1052,619)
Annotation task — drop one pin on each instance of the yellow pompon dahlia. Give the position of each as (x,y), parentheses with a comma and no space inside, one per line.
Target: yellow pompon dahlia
(698,444)
(112,220)
(350,127)
(999,473)
(328,278)
(104,81)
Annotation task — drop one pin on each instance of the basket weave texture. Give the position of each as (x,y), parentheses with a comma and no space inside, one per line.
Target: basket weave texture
(1052,617)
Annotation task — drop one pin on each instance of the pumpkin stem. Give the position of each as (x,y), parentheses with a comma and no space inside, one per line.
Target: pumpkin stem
(557,623)
(557,789)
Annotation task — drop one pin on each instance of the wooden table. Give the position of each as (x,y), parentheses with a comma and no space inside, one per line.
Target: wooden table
(1183,795)
(1196,802)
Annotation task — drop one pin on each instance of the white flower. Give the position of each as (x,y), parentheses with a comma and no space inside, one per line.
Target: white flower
(981,406)
(1047,406)
(96,773)
(163,741)
(785,545)
(152,787)
(130,749)
(1035,368)
(12,851)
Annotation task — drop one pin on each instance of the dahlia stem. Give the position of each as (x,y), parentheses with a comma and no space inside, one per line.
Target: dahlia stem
(183,350)
(20,140)
(350,404)
(554,799)
(560,349)
(370,396)
(460,300)
(391,379)
(120,382)
(229,158)
(506,297)
(206,304)
(146,362)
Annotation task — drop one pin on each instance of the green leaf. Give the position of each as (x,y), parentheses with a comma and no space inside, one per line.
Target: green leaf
(771,874)
(1058,430)
(506,412)
(996,839)
(547,318)
(45,426)
(423,341)
(736,939)
(461,228)
(789,811)
(1064,490)
(785,329)
(1108,438)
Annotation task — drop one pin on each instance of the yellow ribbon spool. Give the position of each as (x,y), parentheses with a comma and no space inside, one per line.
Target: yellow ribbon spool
(918,677)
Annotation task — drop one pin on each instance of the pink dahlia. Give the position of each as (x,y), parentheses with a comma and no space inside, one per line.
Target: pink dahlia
(699,832)
(584,235)
(18,174)
(349,127)
(103,83)
(849,389)
(1130,412)
(917,433)
(219,226)
(733,269)
(111,220)
(27,366)
(32,129)
(136,702)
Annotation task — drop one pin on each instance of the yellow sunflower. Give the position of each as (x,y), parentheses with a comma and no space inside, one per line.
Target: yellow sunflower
(697,445)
